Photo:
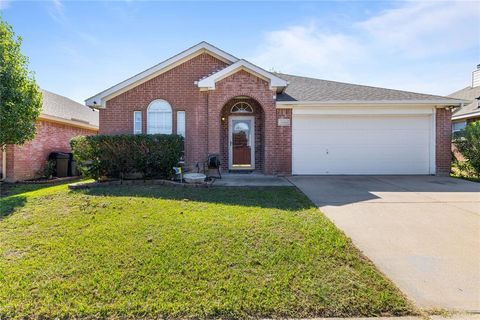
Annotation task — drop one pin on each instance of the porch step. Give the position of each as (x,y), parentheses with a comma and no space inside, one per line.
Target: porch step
(241,172)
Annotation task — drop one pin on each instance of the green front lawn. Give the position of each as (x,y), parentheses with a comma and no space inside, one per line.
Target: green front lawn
(151,251)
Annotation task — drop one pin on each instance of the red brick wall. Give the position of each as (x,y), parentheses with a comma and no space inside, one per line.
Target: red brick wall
(177,87)
(205,132)
(203,111)
(443,148)
(24,161)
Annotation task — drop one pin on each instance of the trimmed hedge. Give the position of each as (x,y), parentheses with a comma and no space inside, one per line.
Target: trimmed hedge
(117,156)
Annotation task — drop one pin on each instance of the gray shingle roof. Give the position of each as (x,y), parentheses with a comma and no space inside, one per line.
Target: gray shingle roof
(470,94)
(310,89)
(62,107)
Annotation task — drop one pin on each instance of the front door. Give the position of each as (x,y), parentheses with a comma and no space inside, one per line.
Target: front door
(241,141)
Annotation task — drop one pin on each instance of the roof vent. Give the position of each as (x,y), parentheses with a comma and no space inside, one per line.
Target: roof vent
(476,77)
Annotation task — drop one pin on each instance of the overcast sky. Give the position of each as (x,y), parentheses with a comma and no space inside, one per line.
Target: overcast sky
(79,48)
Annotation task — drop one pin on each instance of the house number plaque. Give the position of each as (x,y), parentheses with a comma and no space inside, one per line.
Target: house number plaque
(284,122)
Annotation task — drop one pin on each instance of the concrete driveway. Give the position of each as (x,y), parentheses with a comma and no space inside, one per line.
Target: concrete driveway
(423,232)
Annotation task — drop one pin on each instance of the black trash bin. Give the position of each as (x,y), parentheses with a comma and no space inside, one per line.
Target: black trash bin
(72,166)
(61,163)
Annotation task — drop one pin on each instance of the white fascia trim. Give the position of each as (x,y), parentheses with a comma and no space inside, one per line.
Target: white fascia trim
(287,104)
(466,116)
(98,100)
(208,83)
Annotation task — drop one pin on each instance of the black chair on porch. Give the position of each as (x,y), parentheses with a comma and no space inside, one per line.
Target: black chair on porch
(212,163)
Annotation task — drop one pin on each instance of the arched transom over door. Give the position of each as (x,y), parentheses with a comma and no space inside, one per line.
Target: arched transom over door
(159,117)
(241,107)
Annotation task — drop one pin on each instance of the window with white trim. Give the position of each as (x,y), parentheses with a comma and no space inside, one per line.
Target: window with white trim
(181,123)
(458,128)
(137,122)
(159,117)
(181,131)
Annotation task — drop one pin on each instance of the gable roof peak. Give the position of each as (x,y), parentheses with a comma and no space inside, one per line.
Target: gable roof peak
(98,100)
(275,82)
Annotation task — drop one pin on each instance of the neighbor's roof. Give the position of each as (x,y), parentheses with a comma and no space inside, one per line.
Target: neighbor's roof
(303,89)
(61,108)
(469,109)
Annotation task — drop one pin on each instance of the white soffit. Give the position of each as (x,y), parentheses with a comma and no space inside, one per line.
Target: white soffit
(275,82)
(365,110)
(98,100)
(361,103)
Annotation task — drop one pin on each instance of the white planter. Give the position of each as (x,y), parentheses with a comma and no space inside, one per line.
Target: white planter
(194,177)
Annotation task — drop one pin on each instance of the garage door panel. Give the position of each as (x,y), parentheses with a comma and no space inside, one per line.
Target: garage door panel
(369,152)
(372,154)
(361,145)
(328,123)
(352,167)
(353,137)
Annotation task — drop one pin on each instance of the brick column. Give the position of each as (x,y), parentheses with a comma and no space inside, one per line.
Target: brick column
(284,143)
(270,141)
(443,143)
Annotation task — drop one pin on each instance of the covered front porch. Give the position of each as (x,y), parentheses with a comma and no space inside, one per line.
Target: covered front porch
(242,136)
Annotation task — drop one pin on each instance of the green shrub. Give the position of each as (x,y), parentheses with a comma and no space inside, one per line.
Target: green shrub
(46,172)
(463,169)
(117,156)
(469,145)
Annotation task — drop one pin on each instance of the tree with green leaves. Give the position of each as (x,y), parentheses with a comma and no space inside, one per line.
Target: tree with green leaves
(20,96)
(469,145)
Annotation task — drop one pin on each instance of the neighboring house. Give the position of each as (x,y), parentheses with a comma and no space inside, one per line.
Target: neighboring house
(60,120)
(470,111)
(277,123)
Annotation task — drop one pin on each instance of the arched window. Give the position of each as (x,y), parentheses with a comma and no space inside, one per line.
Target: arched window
(159,117)
(242,107)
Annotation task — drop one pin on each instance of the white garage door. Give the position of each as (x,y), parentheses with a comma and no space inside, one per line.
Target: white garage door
(374,144)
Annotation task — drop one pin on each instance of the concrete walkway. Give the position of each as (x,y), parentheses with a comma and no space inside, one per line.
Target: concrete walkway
(251,180)
(423,232)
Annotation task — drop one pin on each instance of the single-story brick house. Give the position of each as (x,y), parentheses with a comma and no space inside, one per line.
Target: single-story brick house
(470,111)
(277,123)
(60,120)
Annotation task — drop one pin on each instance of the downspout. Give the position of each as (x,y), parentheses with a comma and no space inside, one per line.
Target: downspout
(207,133)
(4,163)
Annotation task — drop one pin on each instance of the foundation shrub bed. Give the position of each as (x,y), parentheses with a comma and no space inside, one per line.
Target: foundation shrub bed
(118,156)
